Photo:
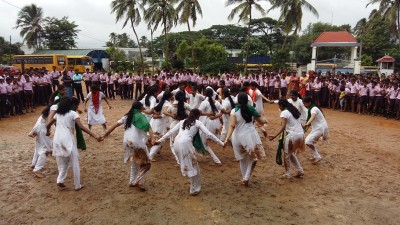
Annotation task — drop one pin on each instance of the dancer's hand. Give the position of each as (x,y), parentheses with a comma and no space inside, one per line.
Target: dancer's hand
(152,142)
(156,142)
(85,110)
(48,133)
(271,137)
(109,107)
(79,111)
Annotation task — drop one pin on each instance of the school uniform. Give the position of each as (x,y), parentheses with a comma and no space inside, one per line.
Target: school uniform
(159,127)
(103,84)
(88,81)
(110,87)
(42,144)
(319,129)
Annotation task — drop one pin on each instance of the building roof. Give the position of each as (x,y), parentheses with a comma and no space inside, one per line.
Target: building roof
(386,59)
(94,53)
(335,38)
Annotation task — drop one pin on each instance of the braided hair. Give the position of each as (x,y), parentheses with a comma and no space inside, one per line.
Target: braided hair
(129,114)
(191,120)
(283,103)
(166,96)
(244,110)
(181,114)
(209,93)
(226,93)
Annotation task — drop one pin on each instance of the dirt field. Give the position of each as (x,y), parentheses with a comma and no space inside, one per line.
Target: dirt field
(357,182)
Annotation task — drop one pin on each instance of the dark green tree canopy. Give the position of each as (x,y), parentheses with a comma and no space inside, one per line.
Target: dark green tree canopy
(60,34)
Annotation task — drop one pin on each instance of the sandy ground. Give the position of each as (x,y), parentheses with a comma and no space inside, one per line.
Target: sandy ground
(357,182)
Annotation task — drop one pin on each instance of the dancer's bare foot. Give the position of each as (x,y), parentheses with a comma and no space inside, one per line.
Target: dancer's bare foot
(38,174)
(195,193)
(77,189)
(299,174)
(317,160)
(245,183)
(141,187)
(285,176)
(216,164)
(61,185)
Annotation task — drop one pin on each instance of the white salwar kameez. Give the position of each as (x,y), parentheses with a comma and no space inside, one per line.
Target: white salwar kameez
(226,105)
(247,145)
(92,116)
(42,144)
(211,125)
(153,103)
(259,101)
(64,147)
(302,109)
(184,149)
(294,140)
(319,129)
(136,151)
(172,109)
(159,127)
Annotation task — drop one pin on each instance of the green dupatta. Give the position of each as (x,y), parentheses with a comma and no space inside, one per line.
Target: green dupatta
(198,144)
(251,108)
(140,121)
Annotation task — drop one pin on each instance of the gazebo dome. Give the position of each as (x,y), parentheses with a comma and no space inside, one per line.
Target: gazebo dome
(386,59)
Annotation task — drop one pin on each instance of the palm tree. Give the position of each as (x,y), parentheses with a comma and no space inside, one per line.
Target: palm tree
(189,10)
(113,38)
(161,11)
(389,10)
(360,27)
(291,15)
(244,11)
(129,11)
(30,20)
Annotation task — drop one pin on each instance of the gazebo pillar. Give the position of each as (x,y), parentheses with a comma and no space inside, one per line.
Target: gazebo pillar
(314,58)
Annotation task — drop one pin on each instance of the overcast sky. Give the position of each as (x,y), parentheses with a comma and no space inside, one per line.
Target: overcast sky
(96,22)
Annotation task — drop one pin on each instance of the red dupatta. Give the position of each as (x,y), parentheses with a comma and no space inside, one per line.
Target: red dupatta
(96,100)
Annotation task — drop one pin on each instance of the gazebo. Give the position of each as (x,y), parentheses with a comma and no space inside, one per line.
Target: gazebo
(386,64)
(337,39)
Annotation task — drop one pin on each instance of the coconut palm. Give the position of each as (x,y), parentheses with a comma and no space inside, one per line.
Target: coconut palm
(128,10)
(30,20)
(188,10)
(161,11)
(360,28)
(389,10)
(291,15)
(113,38)
(244,10)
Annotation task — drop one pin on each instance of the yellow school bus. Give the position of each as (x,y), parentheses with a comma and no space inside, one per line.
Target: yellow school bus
(24,62)
(80,63)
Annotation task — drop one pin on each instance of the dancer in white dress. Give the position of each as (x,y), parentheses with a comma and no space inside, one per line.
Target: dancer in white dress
(184,149)
(159,121)
(298,103)
(246,142)
(210,109)
(95,110)
(195,98)
(227,106)
(149,102)
(135,136)
(64,144)
(179,110)
(319,126)
(43,143)
(258,98)
(294,139)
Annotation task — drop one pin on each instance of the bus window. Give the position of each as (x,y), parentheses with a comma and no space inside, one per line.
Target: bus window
(71,62)
(78,62)
(86,61)
(61,60)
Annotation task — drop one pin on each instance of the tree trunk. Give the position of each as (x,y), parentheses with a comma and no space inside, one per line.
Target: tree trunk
(152,51)
(248,42)
(191,45)
(140,48)
(165,39)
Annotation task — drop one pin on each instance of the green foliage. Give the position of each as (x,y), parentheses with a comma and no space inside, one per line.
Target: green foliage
(230,36)
(30,21)
(7,51)
(116,54)
(279,58)
(218,67)
(60,34)
(121,41)
(177,64)
(366,60)
(377,39)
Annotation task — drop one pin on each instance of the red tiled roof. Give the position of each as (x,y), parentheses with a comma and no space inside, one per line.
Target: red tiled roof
(335,36)
(386,58)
